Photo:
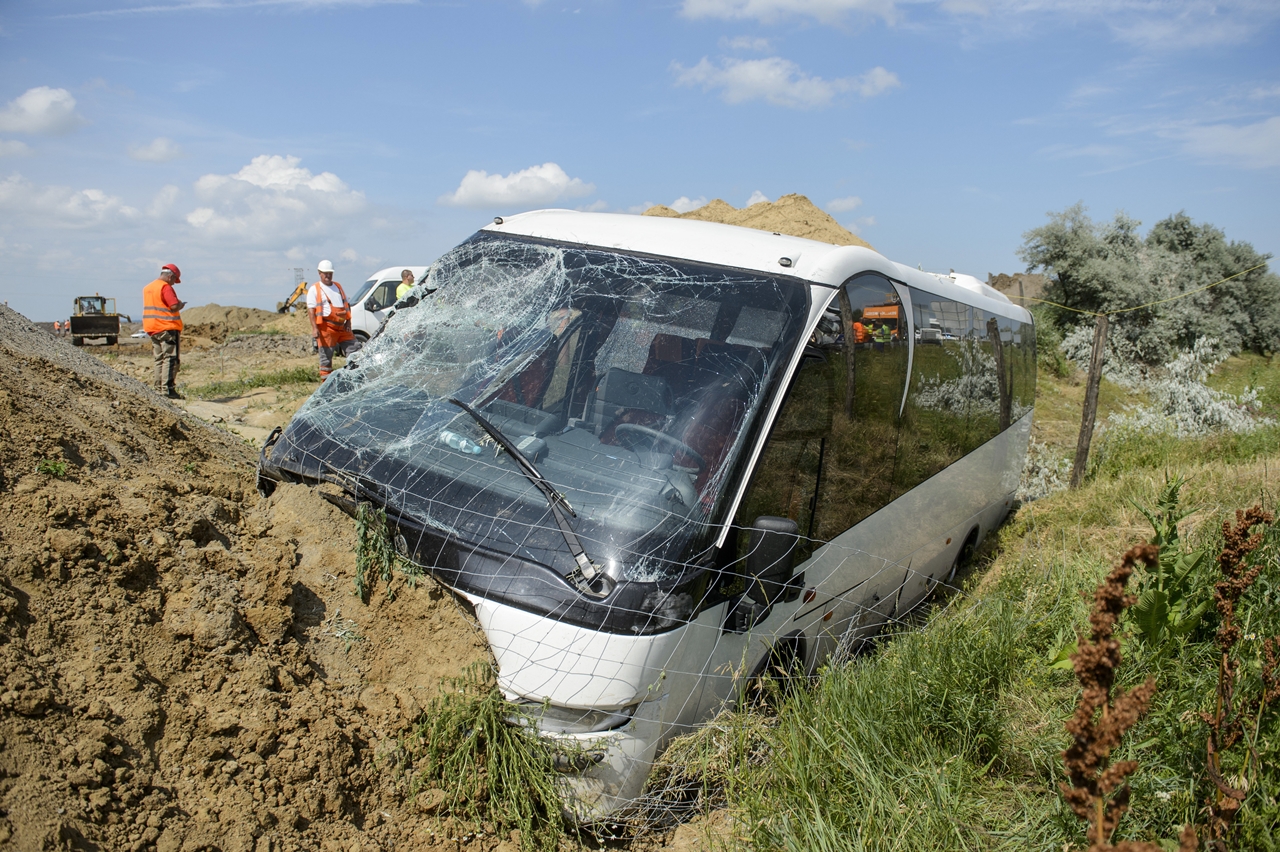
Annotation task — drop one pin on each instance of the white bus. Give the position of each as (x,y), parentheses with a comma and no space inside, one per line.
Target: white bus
(656,454)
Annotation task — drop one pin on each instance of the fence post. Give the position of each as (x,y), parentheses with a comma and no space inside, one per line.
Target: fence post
(1090,413)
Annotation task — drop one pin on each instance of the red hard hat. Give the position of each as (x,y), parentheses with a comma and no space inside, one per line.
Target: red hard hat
(177,276)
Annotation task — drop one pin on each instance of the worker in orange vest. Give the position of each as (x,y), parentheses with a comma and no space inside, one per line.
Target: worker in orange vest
(330,315)
(57,328)
(860,333)
(161,320)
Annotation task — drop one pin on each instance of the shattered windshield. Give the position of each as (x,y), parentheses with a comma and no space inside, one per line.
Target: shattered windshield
(628,381)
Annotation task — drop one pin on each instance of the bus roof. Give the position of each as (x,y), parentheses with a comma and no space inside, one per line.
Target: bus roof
(742,248)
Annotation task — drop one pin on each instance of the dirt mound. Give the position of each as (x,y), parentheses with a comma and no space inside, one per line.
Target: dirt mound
(291,323)
(1020,287)
(791,214)
(184,664)
(214,323)
(232,318)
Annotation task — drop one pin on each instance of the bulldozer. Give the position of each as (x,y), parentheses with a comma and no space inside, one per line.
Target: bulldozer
(95,317)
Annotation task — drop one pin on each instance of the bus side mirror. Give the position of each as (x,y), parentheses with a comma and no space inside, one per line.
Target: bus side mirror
(771,555)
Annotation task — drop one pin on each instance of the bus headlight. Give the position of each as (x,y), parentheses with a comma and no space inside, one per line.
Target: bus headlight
(552,719)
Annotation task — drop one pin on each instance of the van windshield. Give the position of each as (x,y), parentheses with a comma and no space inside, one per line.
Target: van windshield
(362,292)
(629,381)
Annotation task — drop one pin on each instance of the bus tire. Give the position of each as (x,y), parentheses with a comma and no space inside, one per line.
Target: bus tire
(77,341)
(963,555)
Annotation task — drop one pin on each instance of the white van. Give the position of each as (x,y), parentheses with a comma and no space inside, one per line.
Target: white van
(371,302)
(653,456)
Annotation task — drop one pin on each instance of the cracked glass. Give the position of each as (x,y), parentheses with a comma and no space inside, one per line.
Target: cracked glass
(632,383)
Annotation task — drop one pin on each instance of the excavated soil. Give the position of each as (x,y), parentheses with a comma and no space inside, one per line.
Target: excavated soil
(185,664)
(793,215)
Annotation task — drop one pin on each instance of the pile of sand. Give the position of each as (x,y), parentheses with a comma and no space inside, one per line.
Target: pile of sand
(233,318)
(791,214)
(213,323)
(184,664)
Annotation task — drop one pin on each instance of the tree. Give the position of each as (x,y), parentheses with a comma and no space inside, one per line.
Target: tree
(1101,268)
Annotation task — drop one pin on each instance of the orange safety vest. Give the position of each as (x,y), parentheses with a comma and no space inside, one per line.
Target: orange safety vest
(860,333)
(156,316)
(332,328)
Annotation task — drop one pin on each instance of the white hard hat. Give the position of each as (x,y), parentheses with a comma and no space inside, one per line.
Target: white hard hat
(325,266)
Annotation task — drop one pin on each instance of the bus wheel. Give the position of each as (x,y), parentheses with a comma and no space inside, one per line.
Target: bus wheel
(779,675)
(963,555)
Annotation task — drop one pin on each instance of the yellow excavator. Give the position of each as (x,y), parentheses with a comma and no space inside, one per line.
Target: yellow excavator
(299,289)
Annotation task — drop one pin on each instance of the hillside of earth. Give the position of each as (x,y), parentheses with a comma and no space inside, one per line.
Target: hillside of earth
(185,663)
(791,214)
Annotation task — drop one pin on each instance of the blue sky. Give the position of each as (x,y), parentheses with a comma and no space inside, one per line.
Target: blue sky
(243,138)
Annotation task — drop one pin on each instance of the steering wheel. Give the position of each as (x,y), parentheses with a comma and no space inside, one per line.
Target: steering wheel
(638,433)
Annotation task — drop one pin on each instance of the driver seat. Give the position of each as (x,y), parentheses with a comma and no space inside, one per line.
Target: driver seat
(622,396)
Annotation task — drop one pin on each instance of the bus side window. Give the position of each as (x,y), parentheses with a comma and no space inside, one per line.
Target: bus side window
(870,372)
(786,476)
(935,421)
(829,460)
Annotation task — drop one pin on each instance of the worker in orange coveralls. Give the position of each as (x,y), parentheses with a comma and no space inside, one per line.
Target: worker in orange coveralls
(330,315)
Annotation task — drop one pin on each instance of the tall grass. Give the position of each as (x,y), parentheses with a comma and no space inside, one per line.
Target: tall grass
(482,756)
(950,736)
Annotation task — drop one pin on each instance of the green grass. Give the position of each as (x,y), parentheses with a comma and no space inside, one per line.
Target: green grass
(240,386)
(1121,452)
(480,754)
(949,737)
(1249,370)
(56,468)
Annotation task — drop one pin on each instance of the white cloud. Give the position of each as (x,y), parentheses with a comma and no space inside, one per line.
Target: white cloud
(13,148)
(1150,24)
(757,197)
(844,205)
(827,11)
(1252,146)
(233,5)
(350,254)
(857,225)
(61,206)
(159,150)
(1264,92)
(684,203)
(1063,151)
(164,200)
(778,81)
(877,81)
(597,206)
(535,185)
(272,201)
(759,45)
(41,110)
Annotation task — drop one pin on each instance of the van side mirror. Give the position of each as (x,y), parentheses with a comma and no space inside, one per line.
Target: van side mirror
(370,304)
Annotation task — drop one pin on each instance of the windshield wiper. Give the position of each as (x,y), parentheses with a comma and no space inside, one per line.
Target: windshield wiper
(585,574)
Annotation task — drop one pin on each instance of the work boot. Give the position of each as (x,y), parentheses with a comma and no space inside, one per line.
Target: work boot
(172,393)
